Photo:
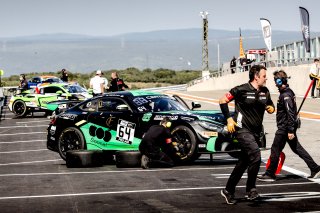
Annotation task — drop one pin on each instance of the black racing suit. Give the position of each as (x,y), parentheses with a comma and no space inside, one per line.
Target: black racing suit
(156,145)
(117,84)
(287,123)
(23,84)
(250,105)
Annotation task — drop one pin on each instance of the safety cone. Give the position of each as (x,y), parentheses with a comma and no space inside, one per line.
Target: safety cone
(280,163)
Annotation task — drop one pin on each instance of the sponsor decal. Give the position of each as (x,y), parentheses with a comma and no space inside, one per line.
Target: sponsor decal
(80,122)
(140,101)
(93,140)
(68,116)
(210,134)
(201,145)
(125,131)
(187,118)
(53,130)
(142,109)
(157,96)
(146,117)
(160,117)
(110,121)
(99,133)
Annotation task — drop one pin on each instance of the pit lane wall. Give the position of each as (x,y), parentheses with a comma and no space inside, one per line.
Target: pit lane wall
(299,81)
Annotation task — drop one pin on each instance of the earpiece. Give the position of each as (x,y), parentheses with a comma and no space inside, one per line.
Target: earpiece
(168,124)
(280,81)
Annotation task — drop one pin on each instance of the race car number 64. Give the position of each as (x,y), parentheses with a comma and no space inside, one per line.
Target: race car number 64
(125,131)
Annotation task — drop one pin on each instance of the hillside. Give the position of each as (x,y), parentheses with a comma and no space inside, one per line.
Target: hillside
(171,49)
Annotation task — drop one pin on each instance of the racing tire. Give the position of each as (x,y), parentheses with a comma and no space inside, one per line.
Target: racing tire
(187,144)
(128,159)
(84,158)
(70,138)
(19,108)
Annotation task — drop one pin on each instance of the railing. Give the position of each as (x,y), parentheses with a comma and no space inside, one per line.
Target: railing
(205,78)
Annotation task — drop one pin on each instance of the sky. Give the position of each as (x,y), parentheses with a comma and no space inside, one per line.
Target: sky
(114,17)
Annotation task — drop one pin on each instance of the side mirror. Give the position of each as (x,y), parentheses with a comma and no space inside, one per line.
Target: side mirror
(122,108)
(90,91)
(195,105)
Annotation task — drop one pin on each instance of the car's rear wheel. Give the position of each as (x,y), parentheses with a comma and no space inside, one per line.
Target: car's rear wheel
(70,138)
(187,143)
(19,108)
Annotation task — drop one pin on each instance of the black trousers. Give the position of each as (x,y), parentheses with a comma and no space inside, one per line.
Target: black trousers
(250,159)
(279,143)
(157,157)
(313,86)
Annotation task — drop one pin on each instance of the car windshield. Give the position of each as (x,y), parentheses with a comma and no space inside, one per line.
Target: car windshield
(51,80)
(75,89)
(157,103)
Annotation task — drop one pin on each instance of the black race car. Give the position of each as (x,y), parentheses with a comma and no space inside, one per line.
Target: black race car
(117,121)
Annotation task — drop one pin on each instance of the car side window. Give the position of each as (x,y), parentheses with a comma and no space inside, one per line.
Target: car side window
(110,104)
(36,80)
(90,106)
(52,89)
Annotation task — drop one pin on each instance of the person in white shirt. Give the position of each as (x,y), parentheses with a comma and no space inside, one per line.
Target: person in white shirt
(97,84)
(314,72)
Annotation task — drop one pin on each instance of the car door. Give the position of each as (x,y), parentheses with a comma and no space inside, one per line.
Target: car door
(113,126)
(47,94)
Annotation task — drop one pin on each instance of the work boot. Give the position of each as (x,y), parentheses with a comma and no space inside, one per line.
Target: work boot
(228,196)
(315,174)
(266,177)
(145,162)
(253,194)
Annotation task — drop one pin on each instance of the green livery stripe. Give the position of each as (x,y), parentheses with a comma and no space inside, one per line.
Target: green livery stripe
(142,92)
(98,137)
(212,144)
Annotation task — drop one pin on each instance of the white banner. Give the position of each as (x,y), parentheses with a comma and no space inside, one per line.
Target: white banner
(266,30)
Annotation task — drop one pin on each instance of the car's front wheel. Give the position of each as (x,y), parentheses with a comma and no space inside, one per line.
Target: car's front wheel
(187,143)
(19,108)
(70,138)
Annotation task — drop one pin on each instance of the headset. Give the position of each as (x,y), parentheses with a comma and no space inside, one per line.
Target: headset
(168,124)
(280,81)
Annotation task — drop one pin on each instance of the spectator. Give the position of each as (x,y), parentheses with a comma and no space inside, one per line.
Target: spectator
(314,73)
(97,84)
(233,64)
(156,146)
(251,101)
(23,84)
(64,75)
(287,130)
(116,83)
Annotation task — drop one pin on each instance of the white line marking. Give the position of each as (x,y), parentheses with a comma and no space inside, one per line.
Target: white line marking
(139,191)
(117,171)
(33,150)
(23,133)
(30,141)
(26,126)
(26,122)
(28,162)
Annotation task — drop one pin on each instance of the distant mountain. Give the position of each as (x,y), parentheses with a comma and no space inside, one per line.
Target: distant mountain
(172,49)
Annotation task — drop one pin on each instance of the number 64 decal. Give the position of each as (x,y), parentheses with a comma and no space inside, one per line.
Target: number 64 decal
(125,131)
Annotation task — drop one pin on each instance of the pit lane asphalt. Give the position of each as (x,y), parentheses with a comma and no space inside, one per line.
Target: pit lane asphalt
(34,179)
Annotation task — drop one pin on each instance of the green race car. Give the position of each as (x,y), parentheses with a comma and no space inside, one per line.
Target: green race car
(23,103)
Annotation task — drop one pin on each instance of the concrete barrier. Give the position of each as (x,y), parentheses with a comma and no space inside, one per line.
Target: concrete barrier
(299,80)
